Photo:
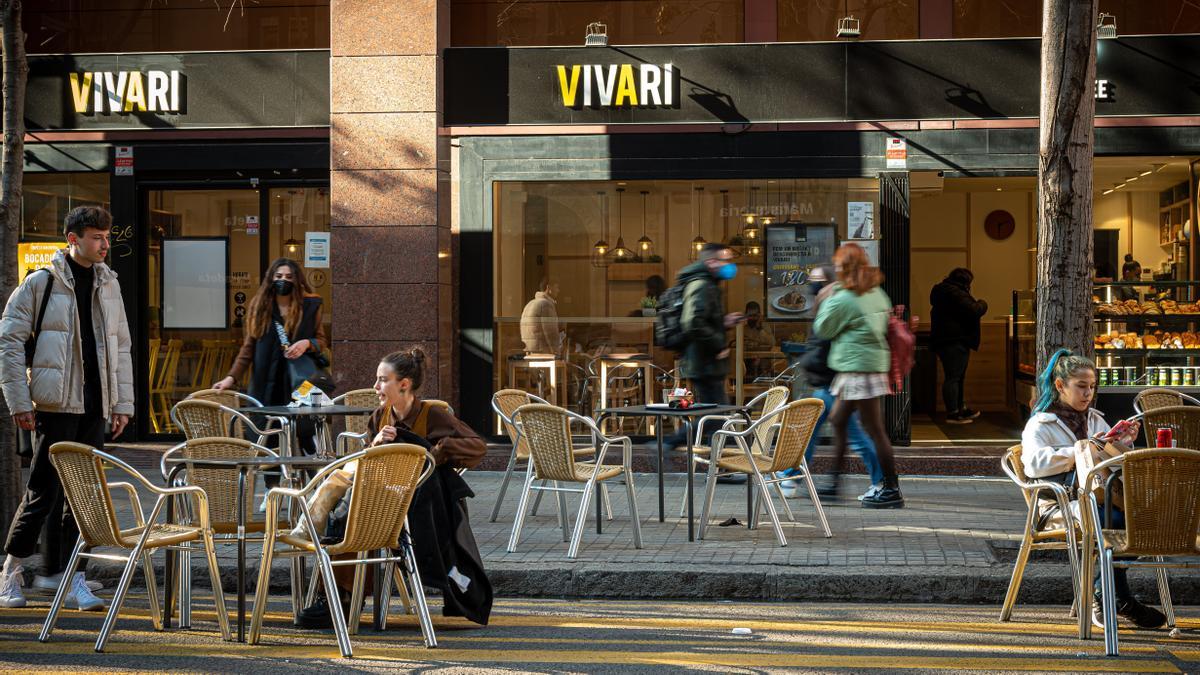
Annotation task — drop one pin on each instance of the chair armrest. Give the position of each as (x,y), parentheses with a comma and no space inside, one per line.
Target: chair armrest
(162,461)
(342,439)
(724,419)
(134,502)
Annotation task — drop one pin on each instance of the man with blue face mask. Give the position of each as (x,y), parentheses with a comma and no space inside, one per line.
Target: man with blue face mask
(705,359)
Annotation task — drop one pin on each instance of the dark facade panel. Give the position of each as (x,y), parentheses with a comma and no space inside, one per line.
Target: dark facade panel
(844,81)
(213,90)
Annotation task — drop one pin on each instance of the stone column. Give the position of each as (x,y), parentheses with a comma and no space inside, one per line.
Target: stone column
(390,184)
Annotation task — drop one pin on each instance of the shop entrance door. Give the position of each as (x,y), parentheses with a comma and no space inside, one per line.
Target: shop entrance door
(207,250)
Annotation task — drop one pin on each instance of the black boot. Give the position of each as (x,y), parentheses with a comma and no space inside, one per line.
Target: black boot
(317,615)
(887,497)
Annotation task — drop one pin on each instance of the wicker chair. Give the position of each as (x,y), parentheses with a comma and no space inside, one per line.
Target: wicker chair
(553,457)
(1039,537)
(1182,420)
(385,481)
(88,491)
(504,403)
(1162,517)
(204,418)
(1153,399)
(768,401)
(222,487)
(794,424)
(356,425)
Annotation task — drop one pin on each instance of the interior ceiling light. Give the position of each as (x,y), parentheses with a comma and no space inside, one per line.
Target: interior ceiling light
(620,252)
(1158,167)
(1130,180)
(600,248)
(645,244)
(699,242)
(1106,27)
(1118,187)
(1147,172)
(292,245)
(1107,192)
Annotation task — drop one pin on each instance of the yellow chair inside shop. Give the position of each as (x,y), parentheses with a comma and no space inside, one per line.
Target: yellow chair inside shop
(163,387)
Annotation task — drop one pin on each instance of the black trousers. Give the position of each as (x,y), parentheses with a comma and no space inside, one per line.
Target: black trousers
(44,499)
(954,358)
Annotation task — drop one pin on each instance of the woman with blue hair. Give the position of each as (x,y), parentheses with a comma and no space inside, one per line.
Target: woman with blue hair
(1063,415)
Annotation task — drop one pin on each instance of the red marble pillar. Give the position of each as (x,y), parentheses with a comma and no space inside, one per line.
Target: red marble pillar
(390,184)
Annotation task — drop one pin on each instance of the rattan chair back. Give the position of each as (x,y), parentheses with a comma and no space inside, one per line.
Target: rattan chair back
(797,422)
(547,429)
(86,489)
(1159,397)
(221,484)
(773,398)
(384,484)
(506,401)
(358,398)
(200,418)
(1182,420)
(1162,501)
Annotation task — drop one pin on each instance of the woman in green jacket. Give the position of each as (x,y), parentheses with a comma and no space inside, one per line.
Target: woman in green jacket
(855,319)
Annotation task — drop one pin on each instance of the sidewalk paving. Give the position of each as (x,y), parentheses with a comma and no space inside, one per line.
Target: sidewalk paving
(954,543)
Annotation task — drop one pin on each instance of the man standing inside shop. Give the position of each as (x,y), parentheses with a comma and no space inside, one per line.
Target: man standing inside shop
(80,377)
(955,333)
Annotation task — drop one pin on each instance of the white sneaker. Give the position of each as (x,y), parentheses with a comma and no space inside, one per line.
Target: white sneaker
(81,597)
(10,589)
(51,583)
(870,491)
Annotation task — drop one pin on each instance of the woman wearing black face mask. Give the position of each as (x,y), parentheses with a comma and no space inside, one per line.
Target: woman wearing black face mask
(284,297)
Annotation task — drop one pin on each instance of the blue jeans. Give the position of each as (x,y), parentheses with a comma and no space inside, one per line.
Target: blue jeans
(856,435)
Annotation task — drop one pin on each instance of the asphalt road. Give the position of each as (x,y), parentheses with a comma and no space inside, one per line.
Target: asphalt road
(545,636)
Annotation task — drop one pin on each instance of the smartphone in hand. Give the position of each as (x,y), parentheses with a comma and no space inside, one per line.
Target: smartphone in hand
(1119,429)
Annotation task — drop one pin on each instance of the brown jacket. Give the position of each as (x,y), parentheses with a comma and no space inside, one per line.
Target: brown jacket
(453,441)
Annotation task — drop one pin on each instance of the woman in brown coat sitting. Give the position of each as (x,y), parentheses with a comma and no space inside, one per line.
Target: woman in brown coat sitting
(452,443)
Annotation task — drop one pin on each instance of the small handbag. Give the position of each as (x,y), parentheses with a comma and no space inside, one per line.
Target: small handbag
(306,367)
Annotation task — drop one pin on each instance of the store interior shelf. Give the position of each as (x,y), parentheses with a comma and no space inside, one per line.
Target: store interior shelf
(1127,318)
(1133,389)
(1147,352)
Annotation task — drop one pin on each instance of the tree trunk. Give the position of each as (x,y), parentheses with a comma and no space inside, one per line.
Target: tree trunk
(12,40)
(1068,107)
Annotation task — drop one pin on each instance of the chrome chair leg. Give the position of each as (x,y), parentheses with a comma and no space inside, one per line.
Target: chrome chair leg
(385,578)
(508,472)
(1018,572)
(765,495)
(581,519)
(519,520)
(633,509)
(185,588)
(114,609)
(710,489)
(356,596)
(1108,584)
(418,594)
(60,595)
(398,579)
(152,592)
(561,497)
(816,500)
(1164,594)
(335,608)
(214,576)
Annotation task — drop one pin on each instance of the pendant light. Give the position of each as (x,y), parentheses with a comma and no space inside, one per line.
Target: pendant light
(645,246)
(733,241)
(292,245)
(770,207)
(600,248)
(699,242)
(750,232)
(620,253)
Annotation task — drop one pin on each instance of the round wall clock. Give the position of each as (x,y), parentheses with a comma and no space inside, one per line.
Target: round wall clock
(999,225)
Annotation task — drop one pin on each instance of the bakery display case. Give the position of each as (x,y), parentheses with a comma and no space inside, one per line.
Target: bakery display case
(1146,334)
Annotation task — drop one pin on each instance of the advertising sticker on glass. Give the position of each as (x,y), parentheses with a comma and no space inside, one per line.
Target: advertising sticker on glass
(792,250)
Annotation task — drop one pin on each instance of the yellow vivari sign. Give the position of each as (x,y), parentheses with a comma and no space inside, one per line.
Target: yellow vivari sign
(34,255)
(643,85)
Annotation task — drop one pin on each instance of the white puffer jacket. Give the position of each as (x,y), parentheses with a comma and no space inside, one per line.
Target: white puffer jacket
(55,383)
(1048,445)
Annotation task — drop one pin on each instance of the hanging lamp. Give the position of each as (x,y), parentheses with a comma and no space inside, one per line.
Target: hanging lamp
(600,248)
(733,241)
(620,253)
(750,232)
(770,208)
(292,244)
(645,245)
(699,242)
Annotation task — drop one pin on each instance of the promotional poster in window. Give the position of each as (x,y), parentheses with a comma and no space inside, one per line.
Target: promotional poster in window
(792,250)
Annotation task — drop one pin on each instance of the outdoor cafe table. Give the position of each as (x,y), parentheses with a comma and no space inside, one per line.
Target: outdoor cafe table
(662,412)
(243,467)
(292,415)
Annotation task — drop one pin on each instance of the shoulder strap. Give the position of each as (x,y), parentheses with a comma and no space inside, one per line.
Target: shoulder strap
(420,426)
(37,325)
(283,338)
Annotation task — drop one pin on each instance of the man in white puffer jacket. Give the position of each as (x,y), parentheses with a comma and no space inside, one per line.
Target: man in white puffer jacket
(81,378)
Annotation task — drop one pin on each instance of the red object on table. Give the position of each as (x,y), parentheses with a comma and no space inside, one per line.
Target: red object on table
(1164,439)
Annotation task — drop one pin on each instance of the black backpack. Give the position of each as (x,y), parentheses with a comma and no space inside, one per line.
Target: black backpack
(668,319)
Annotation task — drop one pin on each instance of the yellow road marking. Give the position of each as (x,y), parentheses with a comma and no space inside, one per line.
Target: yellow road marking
(867,643)
(739,659)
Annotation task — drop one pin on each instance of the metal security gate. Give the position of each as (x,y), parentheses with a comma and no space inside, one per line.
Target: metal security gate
(894,262)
